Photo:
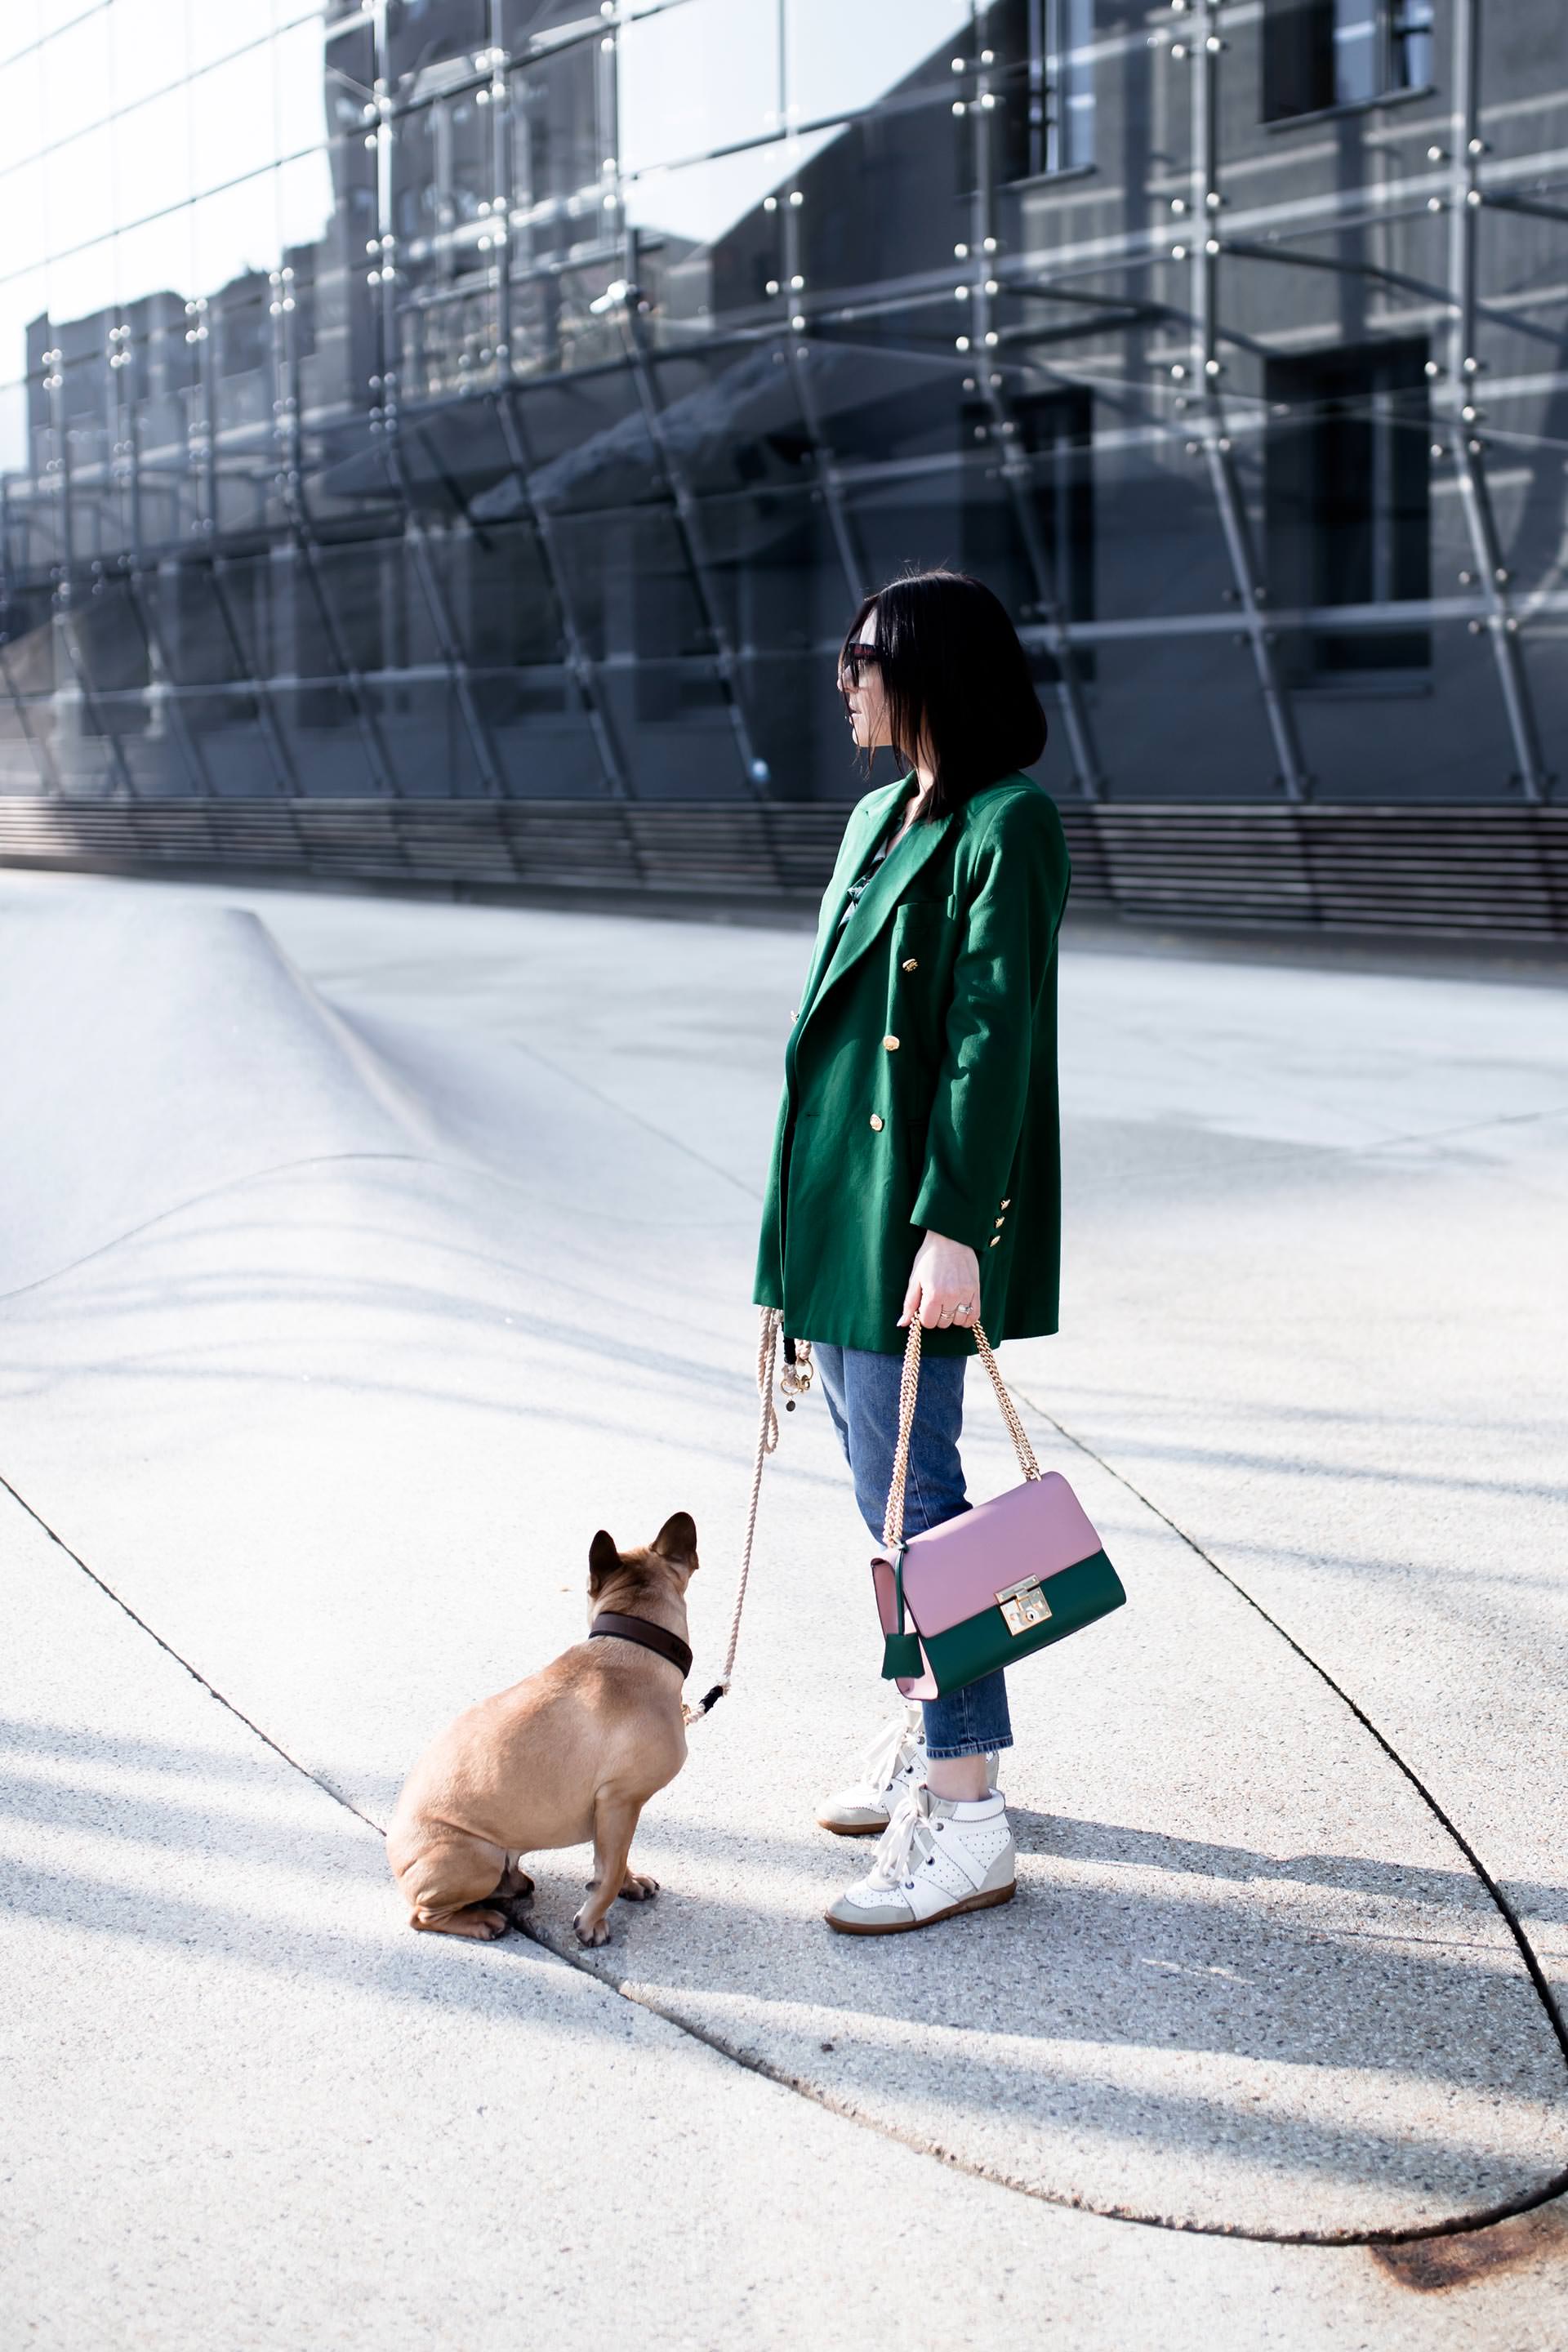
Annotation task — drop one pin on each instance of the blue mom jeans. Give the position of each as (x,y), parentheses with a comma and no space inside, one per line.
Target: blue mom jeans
(862,1392)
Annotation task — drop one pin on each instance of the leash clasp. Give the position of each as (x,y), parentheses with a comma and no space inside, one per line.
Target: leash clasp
(796,1376)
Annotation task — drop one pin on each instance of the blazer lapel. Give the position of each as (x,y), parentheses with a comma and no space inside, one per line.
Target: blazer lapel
(866,822)
(880,896)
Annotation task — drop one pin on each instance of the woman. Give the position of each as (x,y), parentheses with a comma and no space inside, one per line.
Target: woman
(916,1166)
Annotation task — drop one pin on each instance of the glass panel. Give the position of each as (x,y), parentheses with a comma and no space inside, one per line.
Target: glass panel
(363,589)
(147,47)
(22,210)
(13,426)
(1141,689)
(232,130)
(298,73)
(428,47)
(500,595)
(1452,744)
(423,734)
(305,202)
(75,77)
(674,722)
(629,584)
(700,76)
(30,655)
(324,741)
(243,384)
(711,239)
(53,14)
(156,259)
(191,614)
(609,460)
(82,285)
(544,746)
(22,103)
(112,643)
(22,298)
(451,456)
(235,232)
(558,145)
(79,179)
(831,70)
(152,160)
(219,28)
(446,337)
(449,241)
(19,26)
(797,717)
(228,746)
(914,223)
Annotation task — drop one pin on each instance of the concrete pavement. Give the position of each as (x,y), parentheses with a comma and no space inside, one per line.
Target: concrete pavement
(368,1260)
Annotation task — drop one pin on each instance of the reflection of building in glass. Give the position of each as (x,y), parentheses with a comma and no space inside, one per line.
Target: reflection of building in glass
(510,398)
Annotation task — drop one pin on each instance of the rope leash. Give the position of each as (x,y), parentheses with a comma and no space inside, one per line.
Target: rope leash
(795,1381)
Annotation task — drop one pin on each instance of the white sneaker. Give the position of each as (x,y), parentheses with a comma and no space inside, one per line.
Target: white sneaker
(893,1764)
(937,1857)
(890,1767)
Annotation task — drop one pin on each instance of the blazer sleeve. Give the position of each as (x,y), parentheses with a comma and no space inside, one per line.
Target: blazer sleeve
(999,975)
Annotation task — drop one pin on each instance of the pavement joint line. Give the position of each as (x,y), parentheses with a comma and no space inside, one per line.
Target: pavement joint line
(1457,2225)
(1543,1989)
(194,1672)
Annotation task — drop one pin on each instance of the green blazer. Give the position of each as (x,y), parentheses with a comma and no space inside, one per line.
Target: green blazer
(921,1077)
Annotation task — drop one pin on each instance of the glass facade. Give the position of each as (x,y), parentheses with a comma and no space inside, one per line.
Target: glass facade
(511,398)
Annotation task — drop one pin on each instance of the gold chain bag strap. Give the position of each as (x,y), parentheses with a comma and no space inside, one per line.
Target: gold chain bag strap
(996,1582)
(908,1388)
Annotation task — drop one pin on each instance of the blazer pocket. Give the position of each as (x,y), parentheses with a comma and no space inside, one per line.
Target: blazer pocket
(922,918)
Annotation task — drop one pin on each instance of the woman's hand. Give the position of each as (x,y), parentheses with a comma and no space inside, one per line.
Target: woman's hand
(944,1284)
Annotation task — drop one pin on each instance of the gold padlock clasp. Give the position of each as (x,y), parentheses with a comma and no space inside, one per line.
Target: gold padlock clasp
(1023,1605)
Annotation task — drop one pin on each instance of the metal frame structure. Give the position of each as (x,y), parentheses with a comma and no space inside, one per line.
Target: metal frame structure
(1089,276)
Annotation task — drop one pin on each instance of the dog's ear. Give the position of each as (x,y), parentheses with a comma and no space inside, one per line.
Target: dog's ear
(602,1560)
(676,1539)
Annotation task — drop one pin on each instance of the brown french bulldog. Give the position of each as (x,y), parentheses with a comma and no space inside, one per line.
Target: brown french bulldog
(571,1753)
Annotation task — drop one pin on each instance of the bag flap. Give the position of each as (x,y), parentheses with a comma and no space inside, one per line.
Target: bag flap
(954,1572)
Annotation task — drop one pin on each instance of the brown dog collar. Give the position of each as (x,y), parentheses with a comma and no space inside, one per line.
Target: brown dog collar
(646,1635)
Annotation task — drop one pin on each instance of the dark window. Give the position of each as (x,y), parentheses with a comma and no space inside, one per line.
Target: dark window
(1044,82)
(1319,54)
(1348,500)
(1411,45)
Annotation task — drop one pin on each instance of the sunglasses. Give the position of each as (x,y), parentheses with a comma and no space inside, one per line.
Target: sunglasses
(854,662)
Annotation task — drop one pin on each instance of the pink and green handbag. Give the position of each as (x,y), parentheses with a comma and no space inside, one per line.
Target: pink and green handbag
(996,1584)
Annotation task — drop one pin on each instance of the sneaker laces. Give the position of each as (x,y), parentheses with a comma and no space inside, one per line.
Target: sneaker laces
(904,1844)
(885,1757)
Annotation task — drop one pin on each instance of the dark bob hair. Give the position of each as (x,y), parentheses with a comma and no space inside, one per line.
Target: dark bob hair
(957,683)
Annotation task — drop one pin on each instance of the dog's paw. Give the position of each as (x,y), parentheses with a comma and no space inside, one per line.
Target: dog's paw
(599,1933)
(479,1922)
(635,1888)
